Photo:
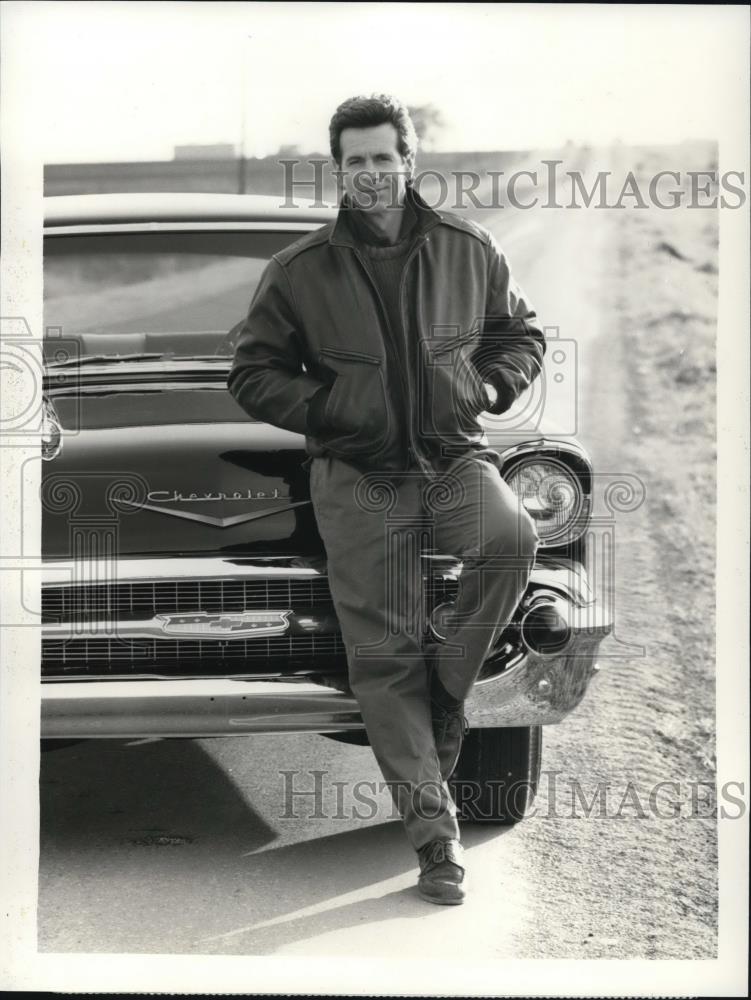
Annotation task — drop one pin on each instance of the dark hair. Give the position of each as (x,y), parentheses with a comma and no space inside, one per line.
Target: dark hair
(365,112)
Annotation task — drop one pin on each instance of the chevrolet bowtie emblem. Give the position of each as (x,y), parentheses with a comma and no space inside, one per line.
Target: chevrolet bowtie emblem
(215,522)
(233,625)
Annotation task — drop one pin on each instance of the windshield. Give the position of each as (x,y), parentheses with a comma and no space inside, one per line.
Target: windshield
(119,296)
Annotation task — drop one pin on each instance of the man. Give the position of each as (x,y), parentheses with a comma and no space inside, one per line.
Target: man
(382,337)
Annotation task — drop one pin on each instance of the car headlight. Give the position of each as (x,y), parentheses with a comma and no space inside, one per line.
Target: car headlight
(553,497)
(52,437)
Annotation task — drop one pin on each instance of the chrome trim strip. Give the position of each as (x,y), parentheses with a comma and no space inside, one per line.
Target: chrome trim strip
(549,444)
(140,387)
(100,572)
(103,228)
(68,573)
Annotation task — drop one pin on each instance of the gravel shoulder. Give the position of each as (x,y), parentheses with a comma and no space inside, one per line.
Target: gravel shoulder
(638,876)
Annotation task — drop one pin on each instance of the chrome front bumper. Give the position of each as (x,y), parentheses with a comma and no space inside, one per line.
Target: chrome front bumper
(536,690)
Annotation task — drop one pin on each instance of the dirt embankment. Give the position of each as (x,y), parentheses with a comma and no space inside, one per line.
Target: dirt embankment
(638,877)
(667,302)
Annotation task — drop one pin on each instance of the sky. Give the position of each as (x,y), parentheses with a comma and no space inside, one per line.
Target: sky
(130,80)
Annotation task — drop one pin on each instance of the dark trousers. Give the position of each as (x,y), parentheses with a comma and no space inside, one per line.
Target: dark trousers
(374,527)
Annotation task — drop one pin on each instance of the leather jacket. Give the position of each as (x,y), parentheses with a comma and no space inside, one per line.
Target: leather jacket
(316,320)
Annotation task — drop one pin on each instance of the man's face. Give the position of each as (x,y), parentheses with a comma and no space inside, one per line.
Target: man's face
(374,172)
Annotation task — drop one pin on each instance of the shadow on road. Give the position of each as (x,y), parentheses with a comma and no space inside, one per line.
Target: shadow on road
(112,792)
(333,883)
(152,848)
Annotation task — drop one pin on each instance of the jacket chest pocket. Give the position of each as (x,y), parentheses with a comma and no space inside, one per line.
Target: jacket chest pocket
(454,391)
(357,408)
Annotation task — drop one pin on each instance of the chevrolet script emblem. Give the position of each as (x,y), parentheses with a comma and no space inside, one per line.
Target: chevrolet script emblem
(215,522)
(233,625)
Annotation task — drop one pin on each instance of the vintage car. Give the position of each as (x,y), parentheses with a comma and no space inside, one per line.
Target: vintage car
(185,590)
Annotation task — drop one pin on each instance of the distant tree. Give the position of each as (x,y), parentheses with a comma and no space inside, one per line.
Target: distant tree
(428,122)
(288,151)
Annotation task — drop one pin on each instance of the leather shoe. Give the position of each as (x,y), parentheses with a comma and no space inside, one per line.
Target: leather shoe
(449,729)
(441,872)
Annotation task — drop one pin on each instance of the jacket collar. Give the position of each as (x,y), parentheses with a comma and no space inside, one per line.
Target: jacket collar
(343,235)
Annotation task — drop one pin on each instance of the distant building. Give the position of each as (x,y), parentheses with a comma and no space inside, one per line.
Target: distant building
(206,151)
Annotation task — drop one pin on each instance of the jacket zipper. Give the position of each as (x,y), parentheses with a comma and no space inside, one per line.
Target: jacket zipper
(426,467)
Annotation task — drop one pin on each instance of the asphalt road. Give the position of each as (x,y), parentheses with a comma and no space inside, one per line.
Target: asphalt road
(199,847)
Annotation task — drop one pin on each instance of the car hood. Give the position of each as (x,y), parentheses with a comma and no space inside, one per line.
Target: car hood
(156,467)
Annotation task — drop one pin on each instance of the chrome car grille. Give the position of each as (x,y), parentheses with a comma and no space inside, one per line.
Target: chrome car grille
(112,610)
(288,654)
(99,602)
